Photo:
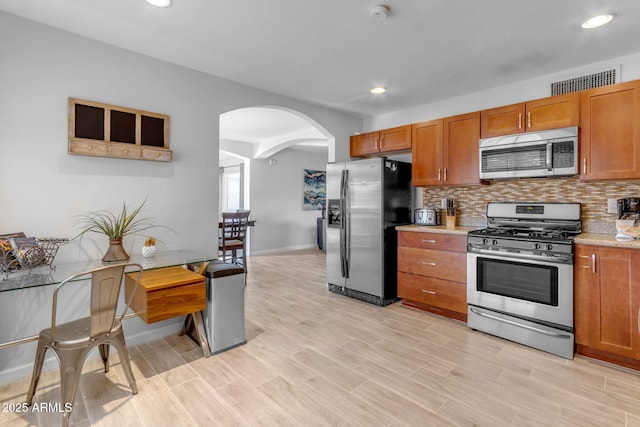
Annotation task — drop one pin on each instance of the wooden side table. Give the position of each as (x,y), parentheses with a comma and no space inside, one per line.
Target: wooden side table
(169,292)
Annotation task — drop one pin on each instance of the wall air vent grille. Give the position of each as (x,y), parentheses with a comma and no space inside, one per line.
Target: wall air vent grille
(576,84)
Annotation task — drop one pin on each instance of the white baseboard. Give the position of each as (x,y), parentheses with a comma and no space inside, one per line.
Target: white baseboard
(288,249)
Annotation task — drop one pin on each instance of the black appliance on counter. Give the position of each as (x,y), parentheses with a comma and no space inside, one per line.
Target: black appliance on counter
(629,208)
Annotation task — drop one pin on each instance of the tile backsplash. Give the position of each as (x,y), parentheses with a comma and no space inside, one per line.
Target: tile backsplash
(471,202)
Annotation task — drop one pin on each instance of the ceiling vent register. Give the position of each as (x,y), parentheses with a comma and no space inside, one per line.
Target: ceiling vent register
(590,81)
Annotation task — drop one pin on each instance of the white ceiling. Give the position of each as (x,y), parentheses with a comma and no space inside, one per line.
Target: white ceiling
(271,130)
(330,52)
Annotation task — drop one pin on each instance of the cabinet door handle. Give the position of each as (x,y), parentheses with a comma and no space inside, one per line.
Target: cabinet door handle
(639,320)
(529,119)
(519,120)
(439,170)
(429,263)
(584,165)
(445,174)
(424,291)
(584,266)
(593,263)
(428,241)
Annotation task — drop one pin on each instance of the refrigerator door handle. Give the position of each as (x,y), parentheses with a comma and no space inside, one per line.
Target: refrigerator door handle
(343,228)
(347,225)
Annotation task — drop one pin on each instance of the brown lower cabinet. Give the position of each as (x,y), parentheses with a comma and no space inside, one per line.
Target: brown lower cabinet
(432,272)
(607,300)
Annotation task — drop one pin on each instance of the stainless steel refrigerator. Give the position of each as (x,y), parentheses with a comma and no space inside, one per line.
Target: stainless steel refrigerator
(366,199)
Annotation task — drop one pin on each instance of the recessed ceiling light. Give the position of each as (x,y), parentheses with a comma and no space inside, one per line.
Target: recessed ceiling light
(159,3)
(377,90)
(596,21)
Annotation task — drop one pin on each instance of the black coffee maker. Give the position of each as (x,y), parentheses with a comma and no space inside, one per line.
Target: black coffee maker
(629,208)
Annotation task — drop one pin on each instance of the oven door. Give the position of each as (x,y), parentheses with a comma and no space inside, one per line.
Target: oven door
(539,290)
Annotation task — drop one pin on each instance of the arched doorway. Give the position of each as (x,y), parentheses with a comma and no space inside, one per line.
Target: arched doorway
(276,145)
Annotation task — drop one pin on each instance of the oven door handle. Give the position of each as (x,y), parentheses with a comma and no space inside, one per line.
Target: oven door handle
(520,325)
(502,255)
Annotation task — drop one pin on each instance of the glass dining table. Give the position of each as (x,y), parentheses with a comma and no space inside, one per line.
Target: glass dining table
(46,276)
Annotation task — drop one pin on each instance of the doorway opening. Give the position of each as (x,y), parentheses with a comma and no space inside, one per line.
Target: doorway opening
(264,151)
(234,182)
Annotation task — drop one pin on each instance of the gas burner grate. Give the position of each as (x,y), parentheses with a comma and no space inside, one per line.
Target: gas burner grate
(524,234)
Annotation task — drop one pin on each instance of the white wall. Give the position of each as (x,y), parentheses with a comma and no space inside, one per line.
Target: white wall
(276,202)
(539,87)
(43,66)
(43,187)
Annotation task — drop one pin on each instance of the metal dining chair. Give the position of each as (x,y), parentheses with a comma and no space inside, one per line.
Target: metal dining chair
(233,235)
(72,341)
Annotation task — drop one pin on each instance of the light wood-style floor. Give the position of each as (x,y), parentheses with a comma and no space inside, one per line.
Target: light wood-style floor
(316,358)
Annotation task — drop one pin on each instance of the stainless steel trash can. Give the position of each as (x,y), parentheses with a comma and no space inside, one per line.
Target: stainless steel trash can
(224,315)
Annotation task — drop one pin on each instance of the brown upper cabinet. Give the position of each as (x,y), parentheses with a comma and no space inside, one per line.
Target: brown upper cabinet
(445,151)
(426,153)
(541,114)
(395,139)
(365,144)
(384,141)
(98,129)
(610,132)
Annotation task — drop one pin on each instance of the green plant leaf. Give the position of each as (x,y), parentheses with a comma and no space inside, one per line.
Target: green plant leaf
(127,222)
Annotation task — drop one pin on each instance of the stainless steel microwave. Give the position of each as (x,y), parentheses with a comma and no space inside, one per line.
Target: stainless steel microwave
(533,154)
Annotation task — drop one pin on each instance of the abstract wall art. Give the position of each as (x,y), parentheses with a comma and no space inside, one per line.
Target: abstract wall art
(315,189)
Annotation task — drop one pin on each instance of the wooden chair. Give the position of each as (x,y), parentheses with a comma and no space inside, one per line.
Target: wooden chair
(233,234)
(71,342)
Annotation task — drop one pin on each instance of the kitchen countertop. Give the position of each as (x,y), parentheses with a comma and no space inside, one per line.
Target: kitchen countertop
(605,240)
(460,229)
(582,239)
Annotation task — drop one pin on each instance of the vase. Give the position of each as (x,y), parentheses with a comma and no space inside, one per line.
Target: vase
(148,251)
(115,252)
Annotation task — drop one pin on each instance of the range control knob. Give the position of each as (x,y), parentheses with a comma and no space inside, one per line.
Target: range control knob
(536,246)
(495,242)
(549,247)
(485,241)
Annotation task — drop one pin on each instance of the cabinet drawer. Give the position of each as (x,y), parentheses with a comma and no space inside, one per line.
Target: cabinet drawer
(125,152)
(444,242)
(176,301)
(88,148)
(165,293)
(159,155)
(428,290)
(426,262)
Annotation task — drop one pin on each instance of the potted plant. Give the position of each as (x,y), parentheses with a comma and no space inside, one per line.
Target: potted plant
(149,248)
(115,227)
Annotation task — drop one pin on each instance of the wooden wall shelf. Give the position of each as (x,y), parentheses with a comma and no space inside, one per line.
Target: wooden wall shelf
(104,130)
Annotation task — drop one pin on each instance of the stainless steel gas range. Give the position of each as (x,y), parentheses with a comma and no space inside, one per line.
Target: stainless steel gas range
(520,274)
